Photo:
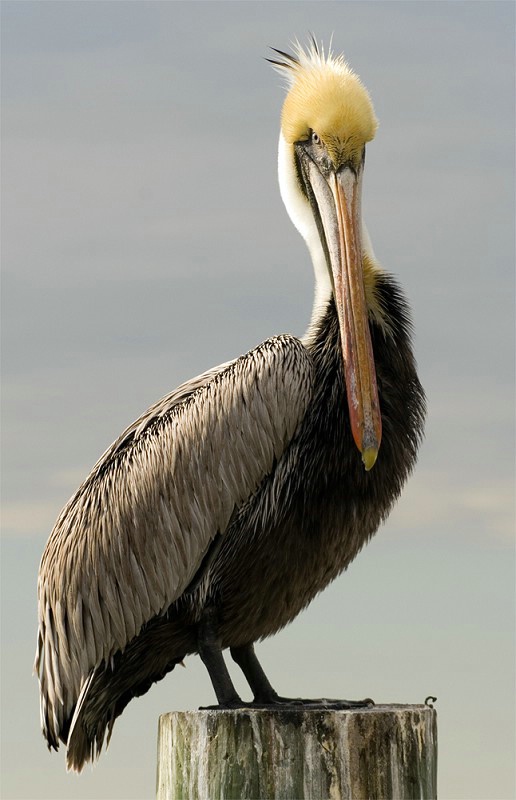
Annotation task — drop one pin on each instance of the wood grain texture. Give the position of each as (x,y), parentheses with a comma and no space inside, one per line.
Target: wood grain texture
(297,754)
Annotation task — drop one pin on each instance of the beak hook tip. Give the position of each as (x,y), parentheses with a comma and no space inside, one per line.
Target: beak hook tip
(369,456)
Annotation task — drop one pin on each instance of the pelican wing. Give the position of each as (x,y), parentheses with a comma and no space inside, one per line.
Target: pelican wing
(131,539)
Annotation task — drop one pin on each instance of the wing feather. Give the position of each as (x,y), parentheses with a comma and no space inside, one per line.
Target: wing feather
(133,536)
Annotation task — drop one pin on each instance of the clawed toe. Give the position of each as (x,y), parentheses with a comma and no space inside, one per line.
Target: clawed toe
(294,703)
(336,704)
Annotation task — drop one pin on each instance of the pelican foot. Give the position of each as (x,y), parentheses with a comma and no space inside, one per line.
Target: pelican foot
(231,705)
(318,703)
(294,703)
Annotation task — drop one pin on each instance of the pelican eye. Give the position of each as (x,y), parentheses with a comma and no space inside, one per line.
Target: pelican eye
(316,139)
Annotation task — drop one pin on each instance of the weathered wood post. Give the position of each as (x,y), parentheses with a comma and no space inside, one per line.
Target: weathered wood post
(380,753)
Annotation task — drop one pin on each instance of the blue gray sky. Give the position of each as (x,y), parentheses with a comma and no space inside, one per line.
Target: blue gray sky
(144,240)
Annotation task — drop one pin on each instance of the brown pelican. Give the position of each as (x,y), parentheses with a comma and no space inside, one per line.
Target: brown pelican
(227,506)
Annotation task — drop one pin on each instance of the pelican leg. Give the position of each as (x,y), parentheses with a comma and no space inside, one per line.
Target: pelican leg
(210,651)
(265,695)
(246,659)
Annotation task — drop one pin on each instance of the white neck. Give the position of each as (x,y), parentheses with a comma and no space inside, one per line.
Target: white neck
(299,211)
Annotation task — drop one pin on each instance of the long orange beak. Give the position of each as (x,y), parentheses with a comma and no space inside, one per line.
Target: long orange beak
(339,210)
(348,277)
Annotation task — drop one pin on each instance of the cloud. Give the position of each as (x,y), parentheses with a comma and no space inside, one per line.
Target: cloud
(28,519)
(482,513)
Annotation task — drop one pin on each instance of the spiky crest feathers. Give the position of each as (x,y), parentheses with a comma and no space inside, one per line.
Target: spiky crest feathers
(327,97)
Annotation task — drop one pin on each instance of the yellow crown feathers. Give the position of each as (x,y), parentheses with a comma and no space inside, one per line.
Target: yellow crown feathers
(327,97)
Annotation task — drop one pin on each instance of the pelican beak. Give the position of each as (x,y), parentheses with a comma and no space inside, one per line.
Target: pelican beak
(338,196)
(348,279)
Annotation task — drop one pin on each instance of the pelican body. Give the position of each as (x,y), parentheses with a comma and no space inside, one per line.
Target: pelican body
(220,513)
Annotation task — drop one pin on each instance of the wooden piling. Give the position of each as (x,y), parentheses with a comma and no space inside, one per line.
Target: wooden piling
(380,753)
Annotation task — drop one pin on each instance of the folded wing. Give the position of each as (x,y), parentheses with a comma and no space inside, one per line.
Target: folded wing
(131,539)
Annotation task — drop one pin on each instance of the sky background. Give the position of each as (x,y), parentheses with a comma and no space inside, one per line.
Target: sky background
(144,240)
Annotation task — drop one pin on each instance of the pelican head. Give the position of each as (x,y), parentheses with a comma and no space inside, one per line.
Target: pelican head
(326,121)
